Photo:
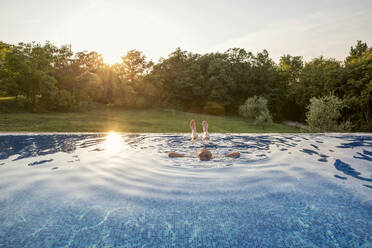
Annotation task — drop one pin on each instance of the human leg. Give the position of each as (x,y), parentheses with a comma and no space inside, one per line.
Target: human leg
(194,134)
(205,130)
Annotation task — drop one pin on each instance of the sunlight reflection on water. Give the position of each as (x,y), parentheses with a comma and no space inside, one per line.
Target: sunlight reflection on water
(113,143)
(116,189)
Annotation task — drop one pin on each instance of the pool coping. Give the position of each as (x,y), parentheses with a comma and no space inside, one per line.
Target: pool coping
(172,133)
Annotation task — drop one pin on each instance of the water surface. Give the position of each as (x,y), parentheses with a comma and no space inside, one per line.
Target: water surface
(122,190)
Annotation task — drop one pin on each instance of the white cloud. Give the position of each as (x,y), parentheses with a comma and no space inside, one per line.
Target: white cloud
(322,33)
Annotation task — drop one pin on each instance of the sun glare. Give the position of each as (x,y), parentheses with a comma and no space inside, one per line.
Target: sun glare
(113,143)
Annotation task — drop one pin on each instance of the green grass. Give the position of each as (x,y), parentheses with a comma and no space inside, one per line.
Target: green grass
(6,98)
(155,121)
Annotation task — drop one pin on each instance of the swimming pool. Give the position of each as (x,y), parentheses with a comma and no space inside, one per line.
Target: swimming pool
(122,190)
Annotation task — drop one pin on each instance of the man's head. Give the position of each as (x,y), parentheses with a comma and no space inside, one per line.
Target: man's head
(204,154)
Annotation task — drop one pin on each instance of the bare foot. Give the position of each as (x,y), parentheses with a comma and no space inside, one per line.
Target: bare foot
(233,155)
(194,134)
(175,155)
(205,130)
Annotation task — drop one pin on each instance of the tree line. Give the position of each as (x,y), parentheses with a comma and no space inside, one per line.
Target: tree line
(45,77)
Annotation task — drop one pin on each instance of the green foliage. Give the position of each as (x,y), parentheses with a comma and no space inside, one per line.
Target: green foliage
(357,86)
(264,119)
(291,67)
(89,61)
(65,101)
(21,102)
(255,109)
(319,77)
(289,70)
(135,89)
(5,72)
(53,78)
(357,51)
(252,107)
(188,79)
(213,108)
(141,103)
(324,114)
(133,67)
(14,104)
(31,65)
(345,126)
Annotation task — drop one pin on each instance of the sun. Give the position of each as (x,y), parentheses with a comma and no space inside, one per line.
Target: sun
(113,143)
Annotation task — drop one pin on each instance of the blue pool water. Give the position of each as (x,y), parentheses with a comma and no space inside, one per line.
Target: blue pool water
(122,190)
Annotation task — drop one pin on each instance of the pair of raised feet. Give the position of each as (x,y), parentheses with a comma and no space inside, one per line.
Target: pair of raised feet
(204,153)
(194,134)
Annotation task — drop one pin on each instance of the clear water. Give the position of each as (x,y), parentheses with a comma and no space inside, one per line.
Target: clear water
(121,190)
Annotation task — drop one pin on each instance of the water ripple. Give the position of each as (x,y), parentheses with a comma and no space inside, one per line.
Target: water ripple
(123,189)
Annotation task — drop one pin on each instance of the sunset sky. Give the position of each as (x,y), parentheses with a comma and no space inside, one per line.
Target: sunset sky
(305,28)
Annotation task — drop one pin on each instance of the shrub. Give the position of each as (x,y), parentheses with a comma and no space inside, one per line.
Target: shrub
(214,108)
(323,114)
(255,109)
(64,101)
(13,104)
(264,118)
(21,102)
(141,103)
(345,126)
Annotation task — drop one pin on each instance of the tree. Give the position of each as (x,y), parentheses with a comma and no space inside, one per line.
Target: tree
(111,86)
(255,109)
(357,86)
(324,114)
(134,66)
(89,61)
(132,72)
(289,69)
(178,78)
(32,66)
(5,72)
(217,80)
(318,78)
(357,51)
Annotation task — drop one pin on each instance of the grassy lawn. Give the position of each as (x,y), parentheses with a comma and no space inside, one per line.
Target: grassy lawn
(156,121)
(6,98)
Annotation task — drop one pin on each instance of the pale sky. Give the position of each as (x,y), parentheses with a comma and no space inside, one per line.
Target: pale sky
(113,27)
